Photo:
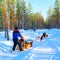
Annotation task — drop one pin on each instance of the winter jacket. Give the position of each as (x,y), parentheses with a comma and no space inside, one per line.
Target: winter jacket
(16,34)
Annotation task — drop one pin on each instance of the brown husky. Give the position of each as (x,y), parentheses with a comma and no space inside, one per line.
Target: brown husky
(25,44)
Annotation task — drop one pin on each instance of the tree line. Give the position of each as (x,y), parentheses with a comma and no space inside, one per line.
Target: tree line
(53,19)
(16,13)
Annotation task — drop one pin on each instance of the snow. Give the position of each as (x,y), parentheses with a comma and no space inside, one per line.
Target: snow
(48,49)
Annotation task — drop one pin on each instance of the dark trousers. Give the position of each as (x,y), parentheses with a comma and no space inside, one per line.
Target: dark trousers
(15,43)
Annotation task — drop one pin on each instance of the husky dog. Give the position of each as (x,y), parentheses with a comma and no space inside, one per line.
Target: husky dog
(25,44)
(42,36)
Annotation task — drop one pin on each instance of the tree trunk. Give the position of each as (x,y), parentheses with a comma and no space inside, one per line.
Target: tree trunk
(22,19)
(5,21)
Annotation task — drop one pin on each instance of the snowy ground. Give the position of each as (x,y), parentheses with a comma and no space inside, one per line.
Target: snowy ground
(48,49)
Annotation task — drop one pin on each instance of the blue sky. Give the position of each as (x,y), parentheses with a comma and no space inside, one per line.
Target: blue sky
(41,5)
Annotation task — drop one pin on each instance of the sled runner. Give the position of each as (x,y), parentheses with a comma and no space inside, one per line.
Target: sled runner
(25,44)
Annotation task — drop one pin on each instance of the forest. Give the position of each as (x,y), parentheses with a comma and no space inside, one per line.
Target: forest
(16,13)
(32,25)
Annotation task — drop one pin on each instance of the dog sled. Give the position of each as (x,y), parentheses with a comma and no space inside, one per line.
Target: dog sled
(25,44)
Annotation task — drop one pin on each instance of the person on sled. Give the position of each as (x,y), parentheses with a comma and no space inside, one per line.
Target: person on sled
(17,34)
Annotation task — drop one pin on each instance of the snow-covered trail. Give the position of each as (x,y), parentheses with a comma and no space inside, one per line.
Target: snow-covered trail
(45,50)
(48,49)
